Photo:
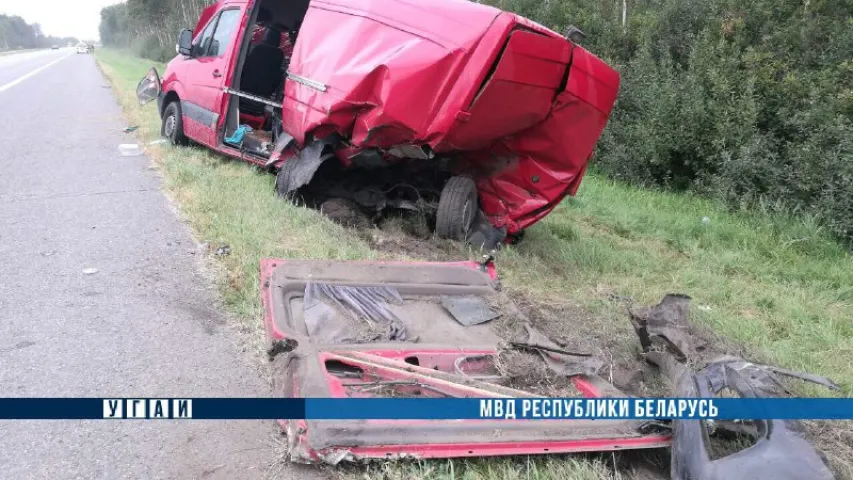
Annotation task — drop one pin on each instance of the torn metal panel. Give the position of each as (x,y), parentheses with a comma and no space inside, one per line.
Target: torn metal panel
(448,360)
(781,450)
(283,141)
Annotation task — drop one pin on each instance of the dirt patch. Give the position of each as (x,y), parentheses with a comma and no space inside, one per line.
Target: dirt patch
(345,212)
(526,371)
(410,236)
(574,329)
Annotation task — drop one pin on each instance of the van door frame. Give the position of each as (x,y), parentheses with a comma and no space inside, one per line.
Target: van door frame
(230,117)
(202,112)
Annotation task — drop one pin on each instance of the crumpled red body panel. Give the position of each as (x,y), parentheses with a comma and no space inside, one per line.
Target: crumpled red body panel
(523,106)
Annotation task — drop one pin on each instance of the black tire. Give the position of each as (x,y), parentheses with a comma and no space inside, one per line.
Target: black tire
(173,124)
(457,208)
(282,180)
(516,238)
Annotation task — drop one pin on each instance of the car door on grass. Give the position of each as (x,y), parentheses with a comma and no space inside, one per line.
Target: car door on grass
(211,52)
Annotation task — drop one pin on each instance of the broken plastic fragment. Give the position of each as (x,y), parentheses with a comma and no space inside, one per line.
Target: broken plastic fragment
(780,451)
(664,326)
(90,271)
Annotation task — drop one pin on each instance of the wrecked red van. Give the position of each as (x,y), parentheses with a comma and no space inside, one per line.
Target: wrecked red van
(482,119)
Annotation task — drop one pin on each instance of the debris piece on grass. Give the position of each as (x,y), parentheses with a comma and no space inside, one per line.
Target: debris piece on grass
(780,449)
(558,359)
(664,326)
(468,309)
(159,141)
(131,128)
(223,250)
(130,150)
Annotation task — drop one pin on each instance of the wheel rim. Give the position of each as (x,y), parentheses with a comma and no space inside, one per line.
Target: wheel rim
(169,126)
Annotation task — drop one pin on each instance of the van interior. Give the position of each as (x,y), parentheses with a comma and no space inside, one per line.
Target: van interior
(258,87)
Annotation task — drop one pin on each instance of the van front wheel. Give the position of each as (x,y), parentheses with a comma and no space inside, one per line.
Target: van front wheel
(173,124)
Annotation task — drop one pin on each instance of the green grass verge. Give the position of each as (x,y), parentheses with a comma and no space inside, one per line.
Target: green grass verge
(778,286)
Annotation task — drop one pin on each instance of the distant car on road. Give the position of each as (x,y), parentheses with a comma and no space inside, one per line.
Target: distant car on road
(82,48)
(55,47)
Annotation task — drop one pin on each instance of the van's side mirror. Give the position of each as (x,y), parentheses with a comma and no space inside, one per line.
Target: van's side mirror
(185,42)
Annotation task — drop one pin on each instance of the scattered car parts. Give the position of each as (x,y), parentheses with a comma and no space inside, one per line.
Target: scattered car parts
(366,329)
(780,450)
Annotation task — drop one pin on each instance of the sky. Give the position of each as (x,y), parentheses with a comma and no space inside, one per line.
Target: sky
(61,18)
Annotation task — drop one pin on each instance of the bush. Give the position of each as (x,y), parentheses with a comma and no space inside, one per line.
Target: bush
(149,47)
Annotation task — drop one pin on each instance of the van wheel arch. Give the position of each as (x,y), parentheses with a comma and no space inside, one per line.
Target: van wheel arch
(172,126)
(169,98)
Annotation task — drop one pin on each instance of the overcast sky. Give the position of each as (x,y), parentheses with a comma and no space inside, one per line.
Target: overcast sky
(62,18)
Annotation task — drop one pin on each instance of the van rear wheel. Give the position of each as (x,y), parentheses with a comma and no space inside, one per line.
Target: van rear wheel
(457,208)
(173,124)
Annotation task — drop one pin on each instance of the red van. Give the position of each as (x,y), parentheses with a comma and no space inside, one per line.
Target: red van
(480,118)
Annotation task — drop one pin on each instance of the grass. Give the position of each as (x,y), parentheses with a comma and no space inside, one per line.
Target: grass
(779,287)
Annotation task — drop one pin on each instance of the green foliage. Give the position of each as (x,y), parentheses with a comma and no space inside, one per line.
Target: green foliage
(148,27)
(15,33)
(748,102)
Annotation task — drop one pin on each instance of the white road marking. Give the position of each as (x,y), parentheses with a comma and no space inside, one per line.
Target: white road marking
(20,79)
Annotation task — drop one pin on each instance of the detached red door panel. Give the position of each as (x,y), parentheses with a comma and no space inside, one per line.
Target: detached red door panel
(206,72)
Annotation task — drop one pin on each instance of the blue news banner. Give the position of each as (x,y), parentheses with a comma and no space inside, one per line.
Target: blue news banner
(423,409)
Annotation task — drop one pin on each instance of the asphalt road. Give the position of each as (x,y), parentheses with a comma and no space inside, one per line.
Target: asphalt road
(146,324)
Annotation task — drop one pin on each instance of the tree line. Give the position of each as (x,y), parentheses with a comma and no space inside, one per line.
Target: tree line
(748,102)
(15,33)
(149,27)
